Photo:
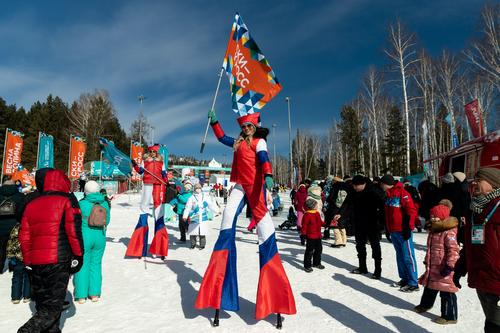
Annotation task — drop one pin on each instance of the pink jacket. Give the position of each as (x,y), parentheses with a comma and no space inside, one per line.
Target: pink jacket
(442,251)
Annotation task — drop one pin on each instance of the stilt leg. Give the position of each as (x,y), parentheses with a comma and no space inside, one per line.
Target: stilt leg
(278,322)
(216,318)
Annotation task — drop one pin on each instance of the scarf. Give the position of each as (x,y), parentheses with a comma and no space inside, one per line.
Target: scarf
(479,203)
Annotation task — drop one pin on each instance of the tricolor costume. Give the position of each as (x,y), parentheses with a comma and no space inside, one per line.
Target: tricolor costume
(154,176)
(219,288)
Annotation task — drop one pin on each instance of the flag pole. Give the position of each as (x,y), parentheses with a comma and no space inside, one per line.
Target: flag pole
(38,150)
(3,156)
(213,106)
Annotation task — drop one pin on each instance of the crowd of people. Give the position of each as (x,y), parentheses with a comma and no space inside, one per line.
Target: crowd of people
(463,232)
(47,236)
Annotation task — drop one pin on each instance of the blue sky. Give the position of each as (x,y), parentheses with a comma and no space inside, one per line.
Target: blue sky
(171,51)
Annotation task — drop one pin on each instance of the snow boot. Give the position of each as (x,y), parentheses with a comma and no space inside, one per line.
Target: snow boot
(378,269)
(362,267)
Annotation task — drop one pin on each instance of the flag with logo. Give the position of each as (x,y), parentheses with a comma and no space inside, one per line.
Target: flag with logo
(474,117)
(252,80)
(114,156)
(136,152)
(163,151)
(77,149)
(13,149)
(45,157)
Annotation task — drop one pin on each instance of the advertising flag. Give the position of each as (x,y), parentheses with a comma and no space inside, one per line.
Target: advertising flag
(77,149)
(251,78)
(45,151)
(24,176)
(164,153)
(13,149)
(475,118)
(113,155)
(136,152)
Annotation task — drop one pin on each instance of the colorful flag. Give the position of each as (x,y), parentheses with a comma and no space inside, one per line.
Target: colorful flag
(45,151)
(136,152)
(251,78)
(475,118)
(13,149)
(453,132)
(24,176)
(114,156)
(77,149)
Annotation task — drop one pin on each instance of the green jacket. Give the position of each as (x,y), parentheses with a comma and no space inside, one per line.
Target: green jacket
(180,201)
(8,222)
(86,205)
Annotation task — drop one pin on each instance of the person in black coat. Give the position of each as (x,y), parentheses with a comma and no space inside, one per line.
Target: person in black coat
(366,204)
(9,193)
(430,196)
(338,206)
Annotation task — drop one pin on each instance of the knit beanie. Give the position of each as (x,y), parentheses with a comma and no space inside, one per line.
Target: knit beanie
(447,203)
(311,204)
(359,180)
(91,187)
(337,179)
(448,178)
(388,180)
(491,175)
(460,176)
(441,212)
(315,192)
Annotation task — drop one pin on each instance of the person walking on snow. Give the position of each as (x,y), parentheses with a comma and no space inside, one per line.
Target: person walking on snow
(400,214)
(179,202)
(153,191)
(88,281)
(252,173)
(196,212)
(440,260)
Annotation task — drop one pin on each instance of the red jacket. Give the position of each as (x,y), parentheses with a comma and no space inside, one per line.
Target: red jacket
(442,250)
(483,260)
(398,204)
(49,232)
(154,166)
(311,225)
(300,199)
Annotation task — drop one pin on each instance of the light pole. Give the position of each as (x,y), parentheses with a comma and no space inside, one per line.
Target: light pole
(287,99)
(274,147)
(141,99)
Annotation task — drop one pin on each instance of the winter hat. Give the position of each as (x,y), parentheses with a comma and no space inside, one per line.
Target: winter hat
(441,212)
(337,179)
(448,178)
(460,176)
(197,186)
(447,203)
(329,178)
(314,192)
(388,180)
(91,187)
(311,204)
(359,180)
(252,118)
(188,186)
(491,175)
(155,148)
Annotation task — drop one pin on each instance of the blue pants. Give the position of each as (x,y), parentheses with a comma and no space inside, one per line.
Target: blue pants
(405,256)
(20,281)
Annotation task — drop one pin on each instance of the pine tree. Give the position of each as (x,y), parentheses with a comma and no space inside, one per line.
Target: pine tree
(395,142)
(350,136)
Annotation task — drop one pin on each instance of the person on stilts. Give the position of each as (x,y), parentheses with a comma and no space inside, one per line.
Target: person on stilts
(153,191)
(252,173)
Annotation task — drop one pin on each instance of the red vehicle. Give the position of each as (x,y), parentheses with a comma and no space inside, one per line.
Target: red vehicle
(471,155)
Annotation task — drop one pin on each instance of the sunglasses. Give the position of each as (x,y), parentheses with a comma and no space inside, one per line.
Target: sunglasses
(246,125)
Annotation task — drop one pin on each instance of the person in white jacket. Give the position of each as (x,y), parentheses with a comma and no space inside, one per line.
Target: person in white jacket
(196,210)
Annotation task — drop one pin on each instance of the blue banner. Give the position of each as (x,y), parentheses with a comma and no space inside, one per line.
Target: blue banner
(45,151)
(114,156)
(164,152)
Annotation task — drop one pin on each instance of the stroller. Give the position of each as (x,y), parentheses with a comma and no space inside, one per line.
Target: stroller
(291,220)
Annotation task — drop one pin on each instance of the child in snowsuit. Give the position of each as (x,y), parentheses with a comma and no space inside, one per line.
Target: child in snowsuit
(442,254)
(180,203)
(20,278)
(311,230)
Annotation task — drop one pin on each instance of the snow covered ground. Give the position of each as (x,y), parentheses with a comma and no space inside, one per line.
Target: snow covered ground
(155,296)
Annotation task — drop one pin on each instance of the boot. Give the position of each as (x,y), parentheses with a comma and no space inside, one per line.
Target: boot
(378,269)
(362,267)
